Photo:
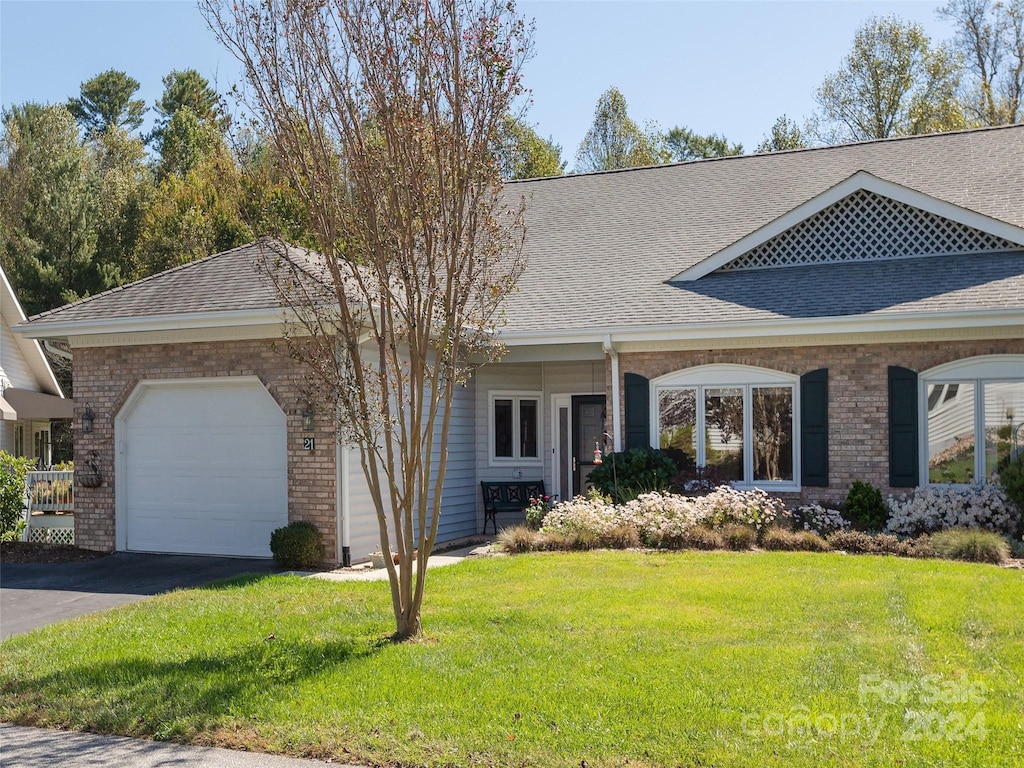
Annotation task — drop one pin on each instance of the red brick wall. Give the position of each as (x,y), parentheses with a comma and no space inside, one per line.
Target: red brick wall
(857,393)
(106,376)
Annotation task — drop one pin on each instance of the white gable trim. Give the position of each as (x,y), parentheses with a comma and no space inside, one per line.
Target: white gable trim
(858,181)
(12,315)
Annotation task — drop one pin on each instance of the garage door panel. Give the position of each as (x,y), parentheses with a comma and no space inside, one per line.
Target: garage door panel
(206,469)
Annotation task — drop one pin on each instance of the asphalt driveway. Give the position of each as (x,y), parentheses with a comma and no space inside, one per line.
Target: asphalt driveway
(35,594)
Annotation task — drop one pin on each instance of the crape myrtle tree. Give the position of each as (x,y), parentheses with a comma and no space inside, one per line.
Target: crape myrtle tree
(384,115)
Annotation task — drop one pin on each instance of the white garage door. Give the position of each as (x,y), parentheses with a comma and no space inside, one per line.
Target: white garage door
(205,469)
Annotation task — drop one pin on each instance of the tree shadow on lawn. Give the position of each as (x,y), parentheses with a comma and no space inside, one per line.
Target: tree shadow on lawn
(175,699)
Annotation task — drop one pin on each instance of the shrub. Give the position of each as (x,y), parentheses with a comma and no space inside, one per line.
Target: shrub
(518,539)
(594,516)
(726,505)
(970,544)
(935,508)
(738,537)
(660,518)
(864,507)
(297,545)
(819,519)
(1011,479)
(626,475)
(12,494)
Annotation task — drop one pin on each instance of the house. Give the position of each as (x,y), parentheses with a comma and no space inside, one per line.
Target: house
(30,396)
(799,319)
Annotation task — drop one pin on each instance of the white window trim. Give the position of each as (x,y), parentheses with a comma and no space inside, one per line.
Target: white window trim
(514,461)
(743,377)
(977,371)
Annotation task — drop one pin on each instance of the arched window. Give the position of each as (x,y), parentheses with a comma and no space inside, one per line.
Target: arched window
(739,419)
(971,413)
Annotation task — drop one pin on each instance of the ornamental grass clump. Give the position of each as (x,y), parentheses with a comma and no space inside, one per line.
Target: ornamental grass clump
(935,508)
(518,539)
(780,539)
(738,537)
(970,544)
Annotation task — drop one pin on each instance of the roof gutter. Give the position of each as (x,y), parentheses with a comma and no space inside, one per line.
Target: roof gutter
(902,321)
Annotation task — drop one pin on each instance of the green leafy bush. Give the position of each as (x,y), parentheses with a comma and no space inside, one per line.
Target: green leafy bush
(297,545)
(624,476)
(1011,478)
(864,507)
(972,544)
(12,494)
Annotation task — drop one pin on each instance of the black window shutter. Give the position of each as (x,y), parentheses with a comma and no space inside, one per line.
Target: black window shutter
(903,447)
(814,428)
(638,411)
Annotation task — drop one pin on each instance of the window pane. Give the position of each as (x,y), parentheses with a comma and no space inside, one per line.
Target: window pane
(951,433)
(773,433)
(503,428)
(677,422)
(723,430)
(528,429)
(1004,410)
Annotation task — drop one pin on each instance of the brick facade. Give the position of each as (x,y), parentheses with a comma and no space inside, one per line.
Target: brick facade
(106,376)
(857,394)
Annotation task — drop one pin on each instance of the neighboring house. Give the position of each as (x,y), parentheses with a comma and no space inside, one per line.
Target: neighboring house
(30,396)
(797,319)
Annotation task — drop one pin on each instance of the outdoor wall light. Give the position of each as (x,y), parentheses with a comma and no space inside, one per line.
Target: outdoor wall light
(307,419)
(87,419)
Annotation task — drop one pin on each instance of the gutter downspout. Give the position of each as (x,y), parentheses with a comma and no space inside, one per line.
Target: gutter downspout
(609,349)
(341,500)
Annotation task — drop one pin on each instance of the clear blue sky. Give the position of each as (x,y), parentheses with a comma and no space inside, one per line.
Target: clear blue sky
(727,67)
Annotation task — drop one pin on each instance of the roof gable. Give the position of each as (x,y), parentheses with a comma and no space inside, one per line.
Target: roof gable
(864,218)
(22,362)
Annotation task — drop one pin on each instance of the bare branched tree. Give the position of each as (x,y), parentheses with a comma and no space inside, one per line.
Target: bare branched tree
(384,115)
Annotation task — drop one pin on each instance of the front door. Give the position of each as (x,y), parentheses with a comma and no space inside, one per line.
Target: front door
(588,416)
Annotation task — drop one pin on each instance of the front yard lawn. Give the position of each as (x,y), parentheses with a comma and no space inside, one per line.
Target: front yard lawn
(596,658)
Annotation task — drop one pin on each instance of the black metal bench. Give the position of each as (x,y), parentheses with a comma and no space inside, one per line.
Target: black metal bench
(508,496)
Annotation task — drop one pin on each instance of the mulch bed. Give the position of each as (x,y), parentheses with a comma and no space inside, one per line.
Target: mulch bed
(32,552)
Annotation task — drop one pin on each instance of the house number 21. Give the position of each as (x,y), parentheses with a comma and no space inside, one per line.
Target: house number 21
(308,443)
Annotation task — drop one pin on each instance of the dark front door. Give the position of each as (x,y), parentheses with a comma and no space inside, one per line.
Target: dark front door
(588,416)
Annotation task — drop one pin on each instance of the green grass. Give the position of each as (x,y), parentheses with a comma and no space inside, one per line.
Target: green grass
(615,658)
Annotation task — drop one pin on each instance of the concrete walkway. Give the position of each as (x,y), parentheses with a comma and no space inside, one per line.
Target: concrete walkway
(367,573)
(40,748)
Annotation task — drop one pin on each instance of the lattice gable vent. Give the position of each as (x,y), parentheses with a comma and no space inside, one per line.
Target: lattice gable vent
(865,226)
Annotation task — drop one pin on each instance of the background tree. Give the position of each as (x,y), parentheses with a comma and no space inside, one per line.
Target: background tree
(49,210)
(106,100)
(684,144)
(892,83)
(785,134)
(523,154)
(384,115)
(990,40)
(614,141)
(187,89)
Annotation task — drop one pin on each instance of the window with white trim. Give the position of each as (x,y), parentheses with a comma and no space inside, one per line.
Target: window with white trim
(514,427)
(972,413)
(745,415)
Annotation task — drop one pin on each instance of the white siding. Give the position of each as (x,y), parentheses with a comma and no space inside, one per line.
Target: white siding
(13,365)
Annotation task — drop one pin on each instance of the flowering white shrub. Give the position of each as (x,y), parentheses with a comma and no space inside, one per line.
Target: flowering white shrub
(814,517)
(581,515)
(935,508)
(660,517)
(726,505)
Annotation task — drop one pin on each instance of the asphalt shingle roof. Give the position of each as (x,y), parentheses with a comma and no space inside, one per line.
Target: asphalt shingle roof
(602,247)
